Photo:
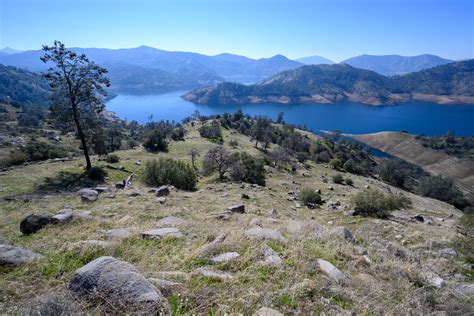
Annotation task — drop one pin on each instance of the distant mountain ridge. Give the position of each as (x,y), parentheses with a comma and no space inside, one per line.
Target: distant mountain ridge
(390,65)
(314,60)
(450,83)
(149,70)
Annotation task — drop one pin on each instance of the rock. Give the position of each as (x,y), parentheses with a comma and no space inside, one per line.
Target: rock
(174,275)
(102,189)
(360,250)
(297,204)
(214,273)
(62,217)
(448,253)
(162,191)
(118,233)
(433,279)
(466,289)
(167,288)
(330,270)
(120,185)
(135,192)
(240,208)
(351,213)
(419,218)
(271,259)
(32,223)
(15,256)
(267,311)
(88,195)
(295,227)
(170,221)
(245,196)
(124,219)
(117,283)
(161,200)
(138,163)
(162,232)
(343,232)
(263,234)
(206,249)
(273,213)
(224,257)
(94,243)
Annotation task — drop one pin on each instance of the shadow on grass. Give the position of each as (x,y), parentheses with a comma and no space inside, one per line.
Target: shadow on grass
(68,181)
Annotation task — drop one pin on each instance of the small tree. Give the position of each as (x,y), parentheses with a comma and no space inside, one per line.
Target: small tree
(194,153)
(217,159)
(155,140)
(259,130)
(77,88)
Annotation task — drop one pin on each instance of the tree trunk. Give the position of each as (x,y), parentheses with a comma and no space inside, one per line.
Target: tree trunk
(82,137)
(256,143)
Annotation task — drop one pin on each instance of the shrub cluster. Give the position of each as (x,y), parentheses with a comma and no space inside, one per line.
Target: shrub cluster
(155,140)
(166,171)
(112,158)
(309,197)
(211,131)
(374,203)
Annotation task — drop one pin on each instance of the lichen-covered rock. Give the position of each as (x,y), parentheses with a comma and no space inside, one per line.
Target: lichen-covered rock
(224,257)
(117,283)
(330,270)
(162,232)
(88,195)
(15,256)
(263,234)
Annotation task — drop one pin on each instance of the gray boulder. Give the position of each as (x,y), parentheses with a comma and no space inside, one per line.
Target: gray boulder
(214,273)
(88,195)
(263,234)
(162,232)
(161,200)
(330,270)
(448,253)
(161,191)
(170,221)
(62,217)
(15,256)
(271,259)
(343,232)
(119,284)
(32,223)
(118,233)
(240,208)
(225,257)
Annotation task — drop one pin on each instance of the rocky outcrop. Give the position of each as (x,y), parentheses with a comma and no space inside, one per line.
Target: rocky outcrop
(15,256)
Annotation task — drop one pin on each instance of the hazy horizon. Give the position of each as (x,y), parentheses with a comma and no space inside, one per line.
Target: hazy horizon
(336,30)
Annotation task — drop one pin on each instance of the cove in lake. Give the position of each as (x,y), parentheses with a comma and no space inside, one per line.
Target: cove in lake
(354,118)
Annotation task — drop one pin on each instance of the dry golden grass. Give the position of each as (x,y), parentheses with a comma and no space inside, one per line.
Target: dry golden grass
(388,284)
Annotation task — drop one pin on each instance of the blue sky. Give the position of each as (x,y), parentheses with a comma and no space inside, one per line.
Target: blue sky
(336,29)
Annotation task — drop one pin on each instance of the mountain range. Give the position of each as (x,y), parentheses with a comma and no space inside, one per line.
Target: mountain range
(450,83)
(150,70)
(390,65)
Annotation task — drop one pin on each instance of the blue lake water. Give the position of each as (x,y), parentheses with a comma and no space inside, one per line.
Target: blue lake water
(417,118)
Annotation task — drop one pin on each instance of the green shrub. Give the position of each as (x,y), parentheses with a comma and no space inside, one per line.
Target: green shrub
(155,140)
(372,202)
(349,181)
(178,133)
(309,196)
(336,163)
(14,158)
(248,169)
(438,187)
(211,131)
(166,171)
(338,179)
(233,143)
(112,158)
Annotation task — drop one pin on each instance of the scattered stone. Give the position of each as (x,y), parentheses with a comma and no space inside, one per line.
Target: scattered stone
(81,215)
(174,275)
(118,283)
(167,288)
(88,195)
(93,243)
(225,257)
(138,163)
(170,221)
(466,289)
(419,218)
(162,232)
(102,189)
(32,223)
(367,186)
(255,222)
(214,273)
(118,233)
(263,234)
(351,213)
(119,185)
(267,311)
(448,253)
(295,227)
(343,233)
(245,196)
(274,213)
(135,192)
(161,200)
(162,191)
(63,217)
(297,204)
(433,280)
(330,270)
(15,256)
(360,250)
(240,208)
(271,259)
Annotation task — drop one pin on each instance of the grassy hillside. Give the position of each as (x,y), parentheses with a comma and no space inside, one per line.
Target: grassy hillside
(408,148)
(391,266)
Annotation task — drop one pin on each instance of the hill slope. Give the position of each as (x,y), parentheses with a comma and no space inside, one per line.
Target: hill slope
(406,147)
(341,82)
(314,60)
(390,65)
